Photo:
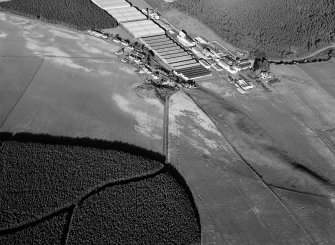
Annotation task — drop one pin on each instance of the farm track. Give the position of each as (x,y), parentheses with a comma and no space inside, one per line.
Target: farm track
(71,206)
(301,192)
(67,226)
(316,52)
(234,152)
(166,130)
(23,92)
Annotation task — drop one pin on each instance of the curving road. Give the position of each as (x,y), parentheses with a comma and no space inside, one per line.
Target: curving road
(332,45)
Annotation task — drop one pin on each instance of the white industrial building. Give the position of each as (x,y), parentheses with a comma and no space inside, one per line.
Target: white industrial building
(143,28)
(110,4)
(126,14)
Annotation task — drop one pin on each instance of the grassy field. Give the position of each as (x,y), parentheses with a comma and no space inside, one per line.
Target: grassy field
(309,91)
(80,89)
(287,136)
(16,74)
(275,164)
(57,189)
(234,206)
(323,73)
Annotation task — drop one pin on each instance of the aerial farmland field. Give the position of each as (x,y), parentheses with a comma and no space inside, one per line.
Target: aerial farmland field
(79,89)
(98,151)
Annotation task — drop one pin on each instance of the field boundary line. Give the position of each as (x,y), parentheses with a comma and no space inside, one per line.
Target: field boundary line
(239,157)
(23,92)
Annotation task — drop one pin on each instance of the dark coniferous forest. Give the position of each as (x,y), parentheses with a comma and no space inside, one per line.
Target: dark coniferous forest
(82,14)
(279,28)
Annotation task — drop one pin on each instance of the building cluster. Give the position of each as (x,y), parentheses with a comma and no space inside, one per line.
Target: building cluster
(149,32)
(212,54)
(189,58)
(181,61)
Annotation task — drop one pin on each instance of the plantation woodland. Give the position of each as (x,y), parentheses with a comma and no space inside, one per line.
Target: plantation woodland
(81,14)
(63,191)
(279,28)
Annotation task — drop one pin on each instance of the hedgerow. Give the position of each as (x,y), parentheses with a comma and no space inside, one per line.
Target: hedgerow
(82,14)
(280,28)
(149,211)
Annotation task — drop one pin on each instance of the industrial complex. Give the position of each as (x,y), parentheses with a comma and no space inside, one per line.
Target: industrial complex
(188,58)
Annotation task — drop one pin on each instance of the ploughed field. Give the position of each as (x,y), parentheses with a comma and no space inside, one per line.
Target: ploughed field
(279,28)
(61,190)
(82,14)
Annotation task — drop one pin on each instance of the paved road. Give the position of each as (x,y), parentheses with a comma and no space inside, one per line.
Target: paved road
(332,45)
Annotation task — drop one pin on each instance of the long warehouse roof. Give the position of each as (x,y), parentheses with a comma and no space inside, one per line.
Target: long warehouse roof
(109,4)
(162,50)
(162,39)
(187,65)
(177,59)
(168,56)
(154,45)
(126,14)
(143,28)
(166,45)
(173,51)
(181,63)
(153,37)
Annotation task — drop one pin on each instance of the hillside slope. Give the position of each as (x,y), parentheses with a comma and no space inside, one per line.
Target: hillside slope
(279,28)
